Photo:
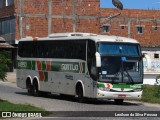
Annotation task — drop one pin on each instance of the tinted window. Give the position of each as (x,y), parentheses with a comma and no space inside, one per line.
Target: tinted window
(2,3)
(7,25)
(91,61)
(10,2)
(75,49)
(118,49)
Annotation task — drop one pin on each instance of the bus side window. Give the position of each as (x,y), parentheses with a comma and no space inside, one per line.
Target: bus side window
(91,61)
(33,50)
(82,50)
(28,50)
(20,49)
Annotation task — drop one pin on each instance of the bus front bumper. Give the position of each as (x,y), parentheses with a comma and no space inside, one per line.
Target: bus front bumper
(118,95)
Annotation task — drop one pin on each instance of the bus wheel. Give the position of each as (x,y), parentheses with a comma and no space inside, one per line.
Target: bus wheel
(118,101)
(36,91)
(29,87)
(81,98)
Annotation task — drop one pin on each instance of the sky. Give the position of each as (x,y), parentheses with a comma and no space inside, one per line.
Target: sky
(133,4)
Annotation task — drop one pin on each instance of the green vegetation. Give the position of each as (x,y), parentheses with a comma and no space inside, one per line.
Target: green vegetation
(151,94)
(7,106)
(4,62)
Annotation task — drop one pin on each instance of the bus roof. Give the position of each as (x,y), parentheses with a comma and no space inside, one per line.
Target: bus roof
(82,36)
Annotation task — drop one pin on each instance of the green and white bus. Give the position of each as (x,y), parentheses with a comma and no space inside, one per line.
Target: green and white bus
(84,65)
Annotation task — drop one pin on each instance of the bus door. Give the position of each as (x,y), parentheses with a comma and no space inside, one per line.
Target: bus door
(91,75)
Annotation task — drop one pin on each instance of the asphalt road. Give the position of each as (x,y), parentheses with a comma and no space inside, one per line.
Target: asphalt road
(55,103)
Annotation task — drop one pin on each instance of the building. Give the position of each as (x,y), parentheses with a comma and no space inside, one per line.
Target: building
(142,25)
(38,18)
(42,17)
(7,33)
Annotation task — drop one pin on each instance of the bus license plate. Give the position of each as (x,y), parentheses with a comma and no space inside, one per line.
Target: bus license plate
(121,96)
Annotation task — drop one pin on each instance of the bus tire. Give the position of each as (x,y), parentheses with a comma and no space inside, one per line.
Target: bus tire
(79,91)
(118,101)
(29,87)
(36,91)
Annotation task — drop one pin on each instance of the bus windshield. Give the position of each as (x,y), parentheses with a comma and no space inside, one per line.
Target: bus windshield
(120,63)
(118,49)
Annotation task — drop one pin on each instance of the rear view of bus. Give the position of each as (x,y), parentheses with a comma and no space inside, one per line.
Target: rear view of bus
(120,69)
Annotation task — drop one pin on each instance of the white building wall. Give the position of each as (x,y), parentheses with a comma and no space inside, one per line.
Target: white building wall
(151,64)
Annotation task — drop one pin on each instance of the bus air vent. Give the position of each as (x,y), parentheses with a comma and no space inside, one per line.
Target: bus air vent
(55,35)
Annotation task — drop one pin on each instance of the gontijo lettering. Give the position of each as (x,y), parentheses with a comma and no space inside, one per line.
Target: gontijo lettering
(71,67)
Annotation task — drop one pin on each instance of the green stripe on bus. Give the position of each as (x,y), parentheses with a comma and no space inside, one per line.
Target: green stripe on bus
(129,86)
(55,66)
(75,67)
(100,85)
(43,66)
(33,65)
(121,86)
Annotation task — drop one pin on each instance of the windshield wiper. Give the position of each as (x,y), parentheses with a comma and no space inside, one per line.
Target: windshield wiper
(122,72)
(129,76)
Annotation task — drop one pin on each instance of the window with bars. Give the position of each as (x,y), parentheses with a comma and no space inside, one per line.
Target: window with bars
(156,55)
(106,28)
(139,29)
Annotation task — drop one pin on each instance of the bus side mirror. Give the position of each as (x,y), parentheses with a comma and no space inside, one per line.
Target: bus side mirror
(98,59)
(143,56)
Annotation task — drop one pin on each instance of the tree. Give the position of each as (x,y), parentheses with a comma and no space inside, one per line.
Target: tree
(4,62)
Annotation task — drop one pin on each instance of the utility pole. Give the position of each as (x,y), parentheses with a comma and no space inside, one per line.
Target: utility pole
(49,16)
(21,18)
(129,27)
(74,15)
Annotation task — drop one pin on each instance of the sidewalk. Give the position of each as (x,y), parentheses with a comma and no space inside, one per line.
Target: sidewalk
(11,76)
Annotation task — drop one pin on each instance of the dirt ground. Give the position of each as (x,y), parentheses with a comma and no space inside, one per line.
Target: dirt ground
(11,76)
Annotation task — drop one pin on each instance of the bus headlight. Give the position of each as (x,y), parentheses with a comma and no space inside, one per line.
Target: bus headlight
(137,90)
(107,89)
(104,89)
(100,88)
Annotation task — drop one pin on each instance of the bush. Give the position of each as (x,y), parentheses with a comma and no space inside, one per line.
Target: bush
(4,62)
(157,91)
(151,94)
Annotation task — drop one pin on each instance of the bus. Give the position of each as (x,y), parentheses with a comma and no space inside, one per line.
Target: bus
(83,65)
